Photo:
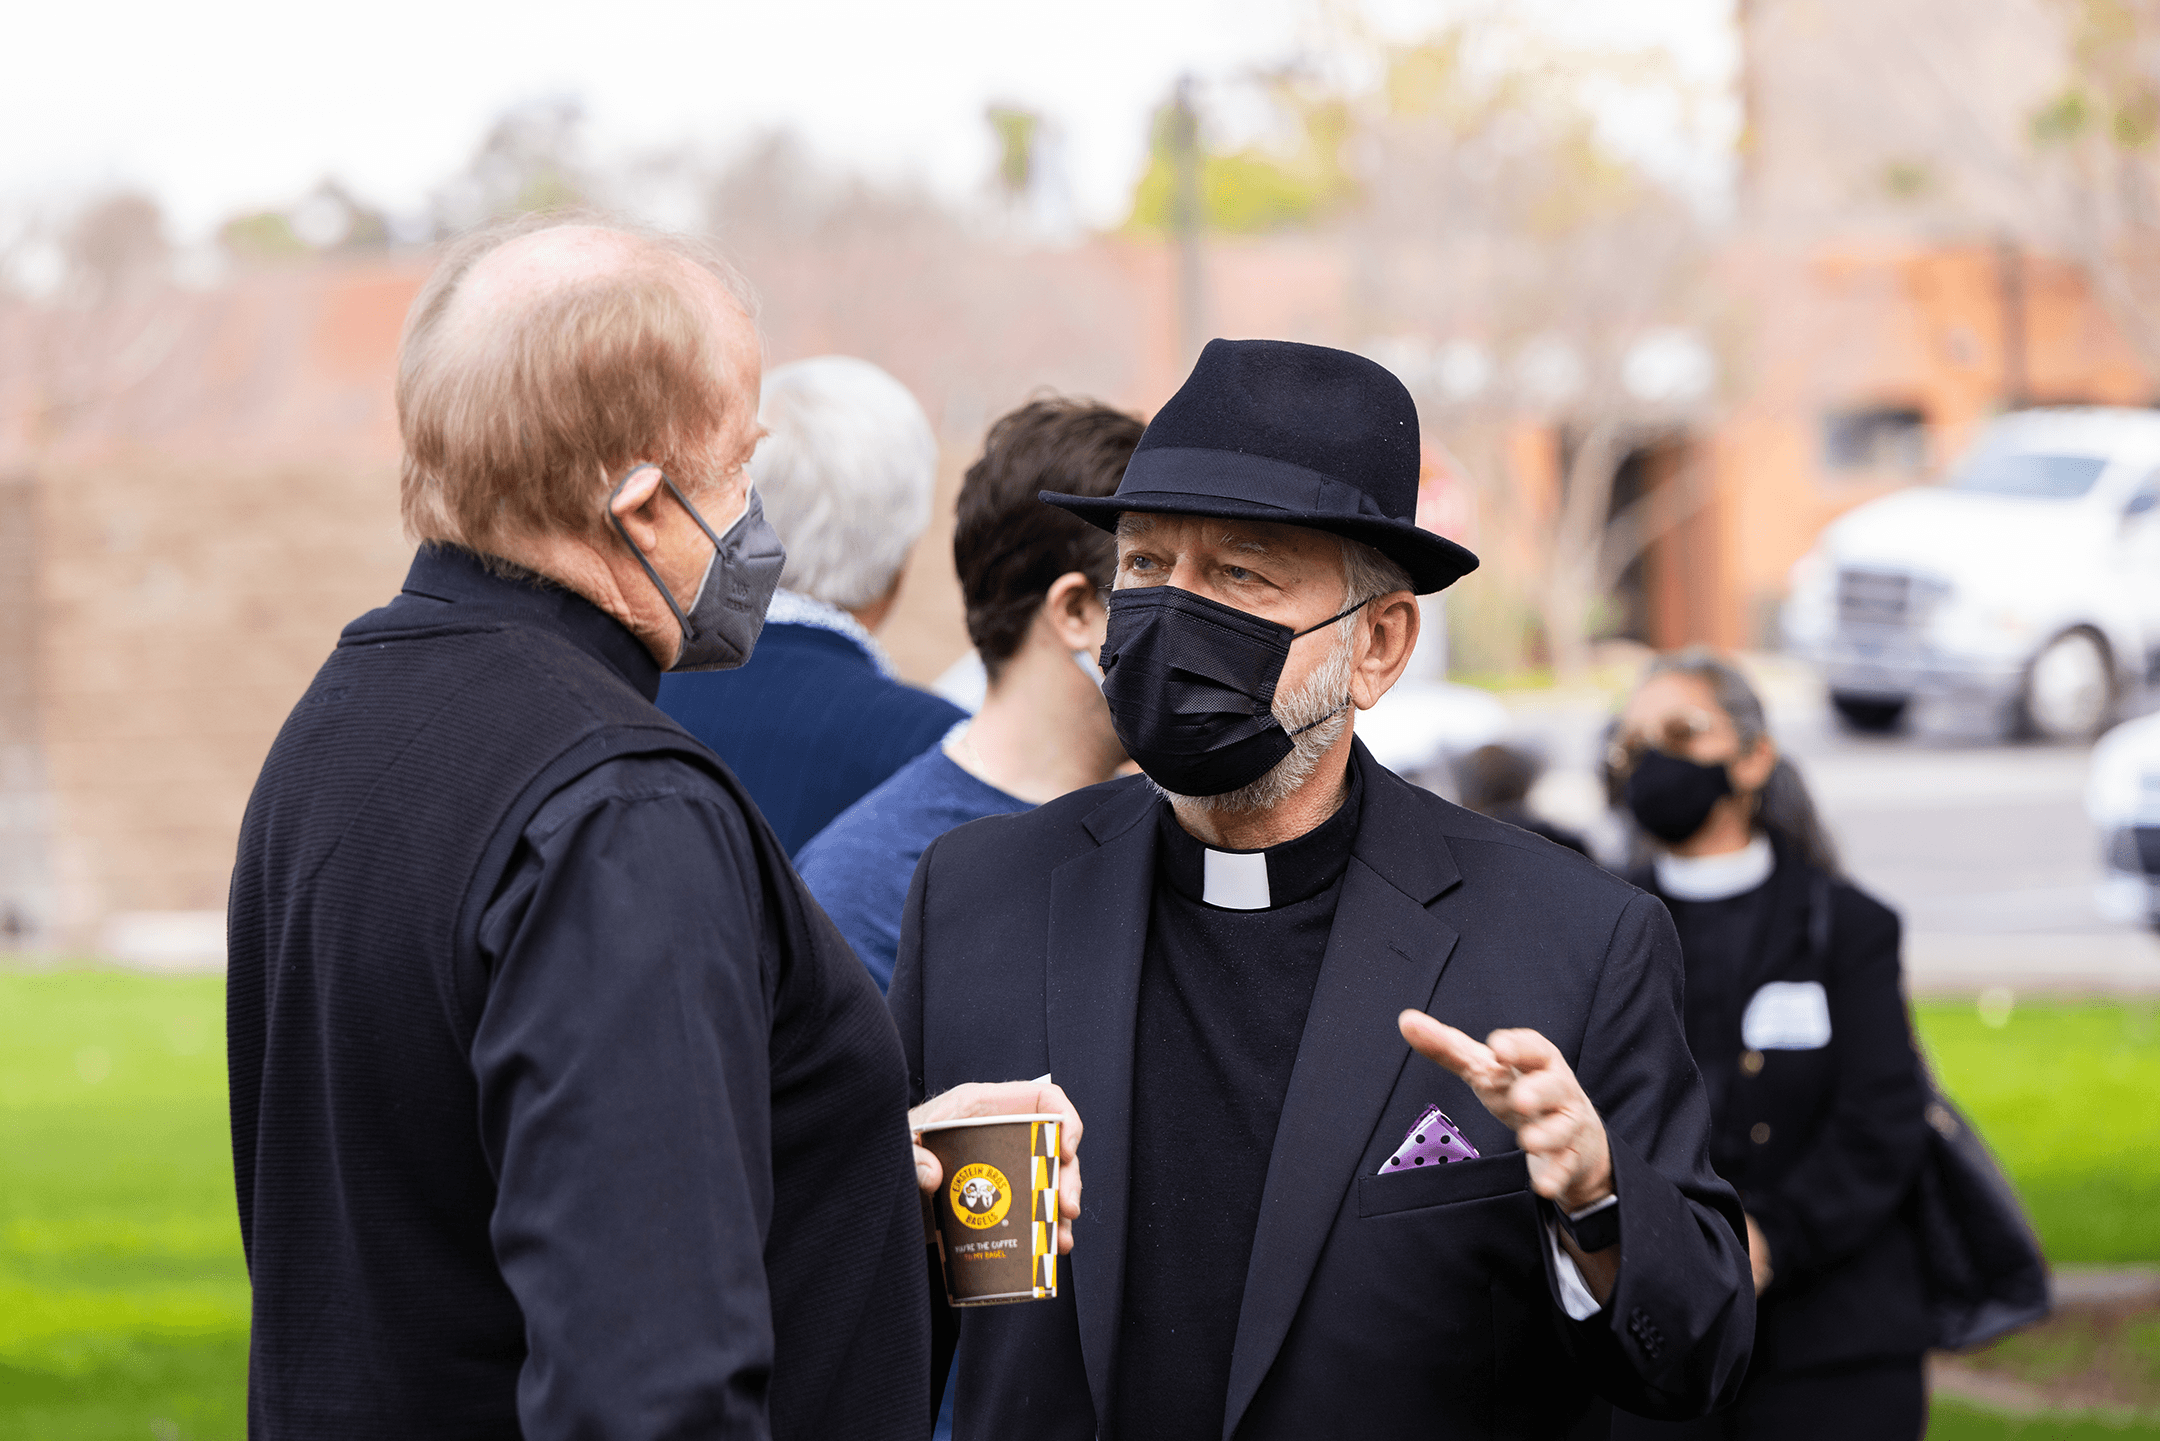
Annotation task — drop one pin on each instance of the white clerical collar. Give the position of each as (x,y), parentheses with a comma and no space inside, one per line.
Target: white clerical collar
(1234,880)
(1715,878)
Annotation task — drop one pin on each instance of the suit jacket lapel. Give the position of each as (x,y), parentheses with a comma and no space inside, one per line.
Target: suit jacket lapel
(1099,905)
(1386,952)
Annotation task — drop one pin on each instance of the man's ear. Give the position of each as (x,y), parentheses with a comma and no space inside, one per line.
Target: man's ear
(1073,611)
(1391,632)
(633,503)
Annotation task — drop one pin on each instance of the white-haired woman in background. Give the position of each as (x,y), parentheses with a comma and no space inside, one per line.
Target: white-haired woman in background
(820,717)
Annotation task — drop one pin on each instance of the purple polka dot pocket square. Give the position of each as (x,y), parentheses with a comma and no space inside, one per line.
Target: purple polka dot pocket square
(1432,1141)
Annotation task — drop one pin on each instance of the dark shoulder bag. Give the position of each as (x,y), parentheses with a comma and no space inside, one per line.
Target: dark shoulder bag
(1979,1259)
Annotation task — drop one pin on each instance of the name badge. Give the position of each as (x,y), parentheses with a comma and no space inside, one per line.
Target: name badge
(1787,1016)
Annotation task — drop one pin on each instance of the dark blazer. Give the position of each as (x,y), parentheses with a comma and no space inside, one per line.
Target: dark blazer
(1416,1305)
(1843,1132)
(809,725)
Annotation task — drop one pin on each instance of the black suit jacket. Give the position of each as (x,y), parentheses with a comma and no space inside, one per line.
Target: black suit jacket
(1416,1305)
(1842,1135)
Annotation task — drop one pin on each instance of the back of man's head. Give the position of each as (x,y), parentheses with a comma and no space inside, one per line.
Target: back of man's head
(846,473)
(545,356)
(1007,545)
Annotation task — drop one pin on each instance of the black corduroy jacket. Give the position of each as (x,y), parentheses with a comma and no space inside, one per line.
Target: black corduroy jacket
(559,1109)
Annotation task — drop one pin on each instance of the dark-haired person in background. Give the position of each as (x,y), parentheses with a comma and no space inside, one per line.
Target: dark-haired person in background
(1496,781)
(1802,1039)
(1031,577)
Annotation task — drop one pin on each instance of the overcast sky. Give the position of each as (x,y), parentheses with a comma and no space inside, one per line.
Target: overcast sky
(230,105)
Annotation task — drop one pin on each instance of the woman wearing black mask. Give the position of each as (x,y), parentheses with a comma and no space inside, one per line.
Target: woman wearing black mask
(1797,1021)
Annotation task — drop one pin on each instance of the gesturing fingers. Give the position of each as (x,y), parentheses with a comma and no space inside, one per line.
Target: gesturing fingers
(1539,1093)
(1527,1084)
(1452,1050)
(1552,1133)
(1525,1050)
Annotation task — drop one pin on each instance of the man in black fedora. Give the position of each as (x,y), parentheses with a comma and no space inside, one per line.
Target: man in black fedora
(1317,1206)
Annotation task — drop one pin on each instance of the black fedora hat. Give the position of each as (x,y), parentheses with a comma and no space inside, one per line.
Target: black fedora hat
(1294,434)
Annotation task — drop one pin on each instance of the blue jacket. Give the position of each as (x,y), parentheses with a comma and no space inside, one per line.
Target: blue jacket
(810,725)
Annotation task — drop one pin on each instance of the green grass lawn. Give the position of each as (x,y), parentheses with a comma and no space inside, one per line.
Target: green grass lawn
(2069,1098)
(123,1300)
(1951,1421)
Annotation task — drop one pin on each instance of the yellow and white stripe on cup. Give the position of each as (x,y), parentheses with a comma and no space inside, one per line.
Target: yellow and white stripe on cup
(1043,1181)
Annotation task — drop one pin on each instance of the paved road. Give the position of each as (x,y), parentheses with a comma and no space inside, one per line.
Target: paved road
(1982,846)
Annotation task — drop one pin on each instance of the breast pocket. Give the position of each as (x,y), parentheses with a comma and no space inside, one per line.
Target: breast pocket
(1787,1016)
(1443,1185)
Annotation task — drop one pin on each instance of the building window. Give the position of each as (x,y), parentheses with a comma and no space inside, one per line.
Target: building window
(1887,438)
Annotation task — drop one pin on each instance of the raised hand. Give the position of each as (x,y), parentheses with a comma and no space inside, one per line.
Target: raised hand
(1529,1087)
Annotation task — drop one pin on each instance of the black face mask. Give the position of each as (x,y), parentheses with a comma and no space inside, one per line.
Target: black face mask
(1191,686)
(1672,797)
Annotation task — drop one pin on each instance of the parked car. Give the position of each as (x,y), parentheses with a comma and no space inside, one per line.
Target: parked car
(2027,582)
(2122,798)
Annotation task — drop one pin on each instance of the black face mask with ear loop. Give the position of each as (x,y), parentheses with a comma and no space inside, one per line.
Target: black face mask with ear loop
(1191,688)
(1671,797)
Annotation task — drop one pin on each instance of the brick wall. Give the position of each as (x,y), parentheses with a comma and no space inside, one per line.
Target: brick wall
(184,607)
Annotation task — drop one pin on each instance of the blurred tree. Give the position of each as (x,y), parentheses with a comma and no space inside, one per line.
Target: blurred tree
(2098,138)
(1016,129)
(1255,188)
(261,237)
(331,218)
(2030,124)
(1534,274)
(328,220)
(1512,268)
(531,159)
(116,245)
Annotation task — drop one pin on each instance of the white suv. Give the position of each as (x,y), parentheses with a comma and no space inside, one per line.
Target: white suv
(2028,581)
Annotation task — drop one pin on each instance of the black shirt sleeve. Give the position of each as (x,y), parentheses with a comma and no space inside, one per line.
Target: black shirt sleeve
(622,1061)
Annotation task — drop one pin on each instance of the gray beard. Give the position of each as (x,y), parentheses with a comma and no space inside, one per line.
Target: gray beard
(1322,704)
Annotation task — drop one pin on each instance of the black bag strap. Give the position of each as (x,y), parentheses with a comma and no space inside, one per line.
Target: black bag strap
(1818,919)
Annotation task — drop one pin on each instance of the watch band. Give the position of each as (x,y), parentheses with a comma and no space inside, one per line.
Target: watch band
(1595,1231)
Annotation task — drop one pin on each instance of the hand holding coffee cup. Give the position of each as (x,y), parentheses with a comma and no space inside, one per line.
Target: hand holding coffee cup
(1006,1098)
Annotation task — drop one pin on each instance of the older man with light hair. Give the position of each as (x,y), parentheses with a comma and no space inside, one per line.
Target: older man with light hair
(558,1107)
(820,717)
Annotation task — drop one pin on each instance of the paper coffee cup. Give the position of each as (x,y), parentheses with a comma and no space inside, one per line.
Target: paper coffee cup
(996,1211)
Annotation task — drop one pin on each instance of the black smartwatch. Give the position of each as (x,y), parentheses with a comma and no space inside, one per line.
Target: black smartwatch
(1596,1231)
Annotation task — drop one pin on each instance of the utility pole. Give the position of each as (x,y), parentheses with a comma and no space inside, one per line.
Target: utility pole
(1186,220)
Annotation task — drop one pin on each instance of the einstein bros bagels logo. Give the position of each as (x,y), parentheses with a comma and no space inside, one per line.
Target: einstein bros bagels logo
(980,1196)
